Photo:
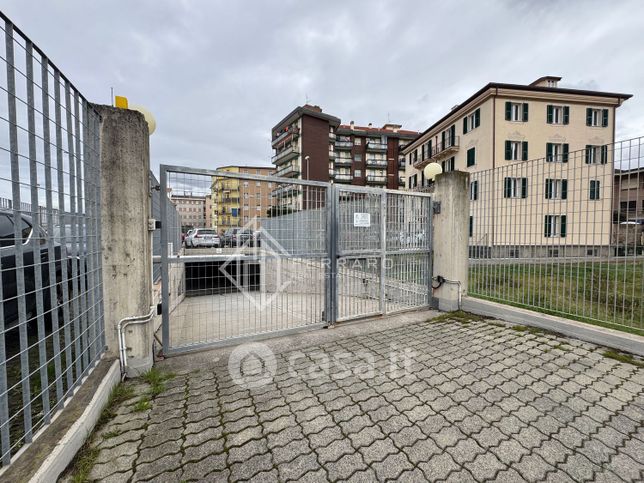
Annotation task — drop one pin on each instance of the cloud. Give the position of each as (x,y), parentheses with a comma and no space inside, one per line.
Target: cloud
(218,75)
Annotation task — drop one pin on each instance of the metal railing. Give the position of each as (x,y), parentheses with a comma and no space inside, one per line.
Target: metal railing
(565,238)
(51,315)
(173,220)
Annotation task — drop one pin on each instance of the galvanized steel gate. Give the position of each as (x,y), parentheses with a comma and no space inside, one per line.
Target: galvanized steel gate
(279,255)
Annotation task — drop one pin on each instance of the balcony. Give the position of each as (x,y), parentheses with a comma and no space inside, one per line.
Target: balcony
(343,144)
(376,146)
(285,155)
(331,154)
(285,135)
(373,179)
(401,163)
(231,200)
(332,136)
(440,151)
(285,191)
(401,180)
(343,161)
(342,178)
(378,163)
(289,169)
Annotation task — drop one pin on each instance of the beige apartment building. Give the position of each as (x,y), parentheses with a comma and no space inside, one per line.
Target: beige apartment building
(235,202)
(191,209)
(493,134)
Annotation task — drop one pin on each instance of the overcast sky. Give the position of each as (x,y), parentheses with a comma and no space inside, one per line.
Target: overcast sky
(219,74)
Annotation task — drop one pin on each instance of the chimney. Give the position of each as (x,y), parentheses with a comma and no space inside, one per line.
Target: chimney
(313,108)
(370,125)
(352,125)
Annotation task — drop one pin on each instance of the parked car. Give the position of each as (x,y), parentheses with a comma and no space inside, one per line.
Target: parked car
(235,237)
(205,237)
(36,256)
(188,238)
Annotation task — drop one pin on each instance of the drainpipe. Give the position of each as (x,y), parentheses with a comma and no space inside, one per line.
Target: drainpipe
(135,320)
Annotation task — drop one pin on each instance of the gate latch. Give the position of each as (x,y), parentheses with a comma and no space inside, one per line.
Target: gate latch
(436,206)
(153,224)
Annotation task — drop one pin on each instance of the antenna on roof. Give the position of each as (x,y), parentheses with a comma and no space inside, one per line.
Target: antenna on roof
(388,119)
(306,97)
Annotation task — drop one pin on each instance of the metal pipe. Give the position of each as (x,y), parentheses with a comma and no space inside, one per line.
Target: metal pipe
(135,320)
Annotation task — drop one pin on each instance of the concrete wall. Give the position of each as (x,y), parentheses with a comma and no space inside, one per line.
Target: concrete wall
(125,243)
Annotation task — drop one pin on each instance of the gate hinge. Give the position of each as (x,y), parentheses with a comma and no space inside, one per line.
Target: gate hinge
(160,308)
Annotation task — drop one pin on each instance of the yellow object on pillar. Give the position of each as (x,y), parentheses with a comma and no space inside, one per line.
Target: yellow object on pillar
(120,102)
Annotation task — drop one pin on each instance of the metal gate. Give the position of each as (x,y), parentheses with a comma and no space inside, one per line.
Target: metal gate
(253,255)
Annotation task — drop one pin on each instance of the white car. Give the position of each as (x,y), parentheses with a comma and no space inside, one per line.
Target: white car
(188,239)
(205,237)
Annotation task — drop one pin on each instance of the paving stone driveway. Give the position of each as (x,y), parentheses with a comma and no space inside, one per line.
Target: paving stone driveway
(466,402)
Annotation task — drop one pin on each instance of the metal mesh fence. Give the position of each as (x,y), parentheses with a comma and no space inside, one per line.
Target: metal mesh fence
(563,234)
(51,321)
(172,221)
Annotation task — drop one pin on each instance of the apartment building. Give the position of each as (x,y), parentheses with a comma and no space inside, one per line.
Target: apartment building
(236,202)
(191,209)
(504,125)
(628,209)
(312,145)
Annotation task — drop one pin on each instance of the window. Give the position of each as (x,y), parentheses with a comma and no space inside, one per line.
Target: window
(357,158)
(514,253)
(628,206)
(471,157)
(258,183)
(553,252)
(516,112)
(554,226)
(515,187)
(472,121)
(596,117)
(594,189)
(245,184)
(557,152)
(448,165)
(6,231)
(516,150)
(448,137)
(556,189)
(357,173)
(557,114)
(357,141)
(471,228)
(596,154)
(413,181)
(474,190)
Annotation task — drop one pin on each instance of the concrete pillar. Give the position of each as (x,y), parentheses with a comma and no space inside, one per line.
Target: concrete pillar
(125,243)
(451,233)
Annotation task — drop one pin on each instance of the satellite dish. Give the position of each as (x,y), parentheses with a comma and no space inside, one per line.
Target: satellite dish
(149,118)
(432,170)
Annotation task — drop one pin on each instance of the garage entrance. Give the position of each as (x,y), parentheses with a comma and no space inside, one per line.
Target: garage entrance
(273,255)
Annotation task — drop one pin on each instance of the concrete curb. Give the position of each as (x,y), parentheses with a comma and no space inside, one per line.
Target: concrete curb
(590,333)
(67,447)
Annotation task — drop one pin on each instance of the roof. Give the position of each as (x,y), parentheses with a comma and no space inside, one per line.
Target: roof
(245,166)
(300,111)
(377,130)
(520,87)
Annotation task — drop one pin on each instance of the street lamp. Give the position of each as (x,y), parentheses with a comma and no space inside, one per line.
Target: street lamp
(306,158)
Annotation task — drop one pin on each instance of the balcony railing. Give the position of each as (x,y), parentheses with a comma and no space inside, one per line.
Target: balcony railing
(373,179)
(294,132)
(286,190)
(401,180)
(381,163)
(331,154)
(288,169)
(376,146)
(440,151)
(343,161)
(285,155)
(342,178)
(343,144)
(332,136)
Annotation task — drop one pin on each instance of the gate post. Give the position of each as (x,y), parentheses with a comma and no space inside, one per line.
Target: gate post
(125,239)
(450,244)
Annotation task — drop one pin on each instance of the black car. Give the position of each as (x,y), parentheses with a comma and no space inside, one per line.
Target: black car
(36,256)
(235,237)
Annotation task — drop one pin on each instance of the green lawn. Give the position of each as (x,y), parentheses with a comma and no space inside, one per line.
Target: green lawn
(607,293)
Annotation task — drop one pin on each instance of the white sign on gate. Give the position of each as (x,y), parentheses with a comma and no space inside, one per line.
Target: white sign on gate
(362,219)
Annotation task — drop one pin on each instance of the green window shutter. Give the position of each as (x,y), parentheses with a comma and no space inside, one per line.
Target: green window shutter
(471,153)
(525,112)
(592,189)
(476,190)
(566,114)
(452,131)
(471,230)
(508,151)
(549,114)
(546,226)
(589,149)
(507,190)
(589,116)
(508,111)
(477,117)
(465,125)
(564,189)
(548,189)
(605,117)
(564,157)
(524,187)
(563,226)
(443,139)
(429,148)
(524,150)
(604,154)
(549,152)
